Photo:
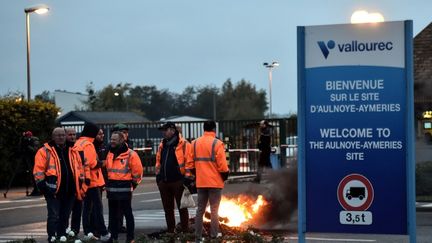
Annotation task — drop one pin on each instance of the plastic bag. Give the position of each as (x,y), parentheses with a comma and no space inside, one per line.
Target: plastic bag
(187,200)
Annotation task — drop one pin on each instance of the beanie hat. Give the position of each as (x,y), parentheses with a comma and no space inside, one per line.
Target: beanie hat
(90,130)
(28,134)
(119,127)
(209,126)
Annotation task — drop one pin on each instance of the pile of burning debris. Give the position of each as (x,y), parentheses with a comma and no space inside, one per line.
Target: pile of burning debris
(237,217)
(263,214)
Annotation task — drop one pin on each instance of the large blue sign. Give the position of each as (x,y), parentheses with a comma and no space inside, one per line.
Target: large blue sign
(355,108)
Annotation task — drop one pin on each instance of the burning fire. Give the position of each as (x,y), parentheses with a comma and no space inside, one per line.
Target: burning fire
(236,211)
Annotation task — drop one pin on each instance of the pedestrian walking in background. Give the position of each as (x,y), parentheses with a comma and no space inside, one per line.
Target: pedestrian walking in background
(211,169)
(29,146)
(59,175)
(264,145)
(171,158)
(124,174)
(92,215)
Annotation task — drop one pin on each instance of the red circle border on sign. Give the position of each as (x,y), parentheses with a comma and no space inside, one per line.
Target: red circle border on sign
(369,188)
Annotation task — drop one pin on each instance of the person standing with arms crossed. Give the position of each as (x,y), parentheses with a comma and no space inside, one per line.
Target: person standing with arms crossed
(211,169)
(124,174)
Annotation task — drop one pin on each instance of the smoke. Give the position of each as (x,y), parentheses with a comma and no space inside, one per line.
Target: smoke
(279,188)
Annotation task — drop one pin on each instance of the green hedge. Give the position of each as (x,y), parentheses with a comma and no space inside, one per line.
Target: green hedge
(17,117)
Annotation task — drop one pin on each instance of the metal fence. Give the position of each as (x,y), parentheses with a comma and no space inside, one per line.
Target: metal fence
(240,138)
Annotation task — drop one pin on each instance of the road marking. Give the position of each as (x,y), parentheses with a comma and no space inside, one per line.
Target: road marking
(334,239)
(145,193)
(151,200)
(22,200)
(37,231)
(28,206)
(424,205)
(23,234)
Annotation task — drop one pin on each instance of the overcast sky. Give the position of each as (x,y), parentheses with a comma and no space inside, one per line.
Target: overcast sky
(172,43)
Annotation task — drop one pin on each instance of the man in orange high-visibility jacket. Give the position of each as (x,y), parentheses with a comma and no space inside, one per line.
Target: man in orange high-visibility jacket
(77,205)
(59,175)
(209,162)
(171,157)
(92,206)
(124,174)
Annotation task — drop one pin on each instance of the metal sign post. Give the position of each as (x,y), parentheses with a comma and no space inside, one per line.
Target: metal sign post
(356,156)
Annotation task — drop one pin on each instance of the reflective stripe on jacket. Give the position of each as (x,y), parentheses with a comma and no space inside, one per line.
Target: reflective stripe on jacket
(92,168)
(123,170)
(47,163)
(182,153)
(208,159)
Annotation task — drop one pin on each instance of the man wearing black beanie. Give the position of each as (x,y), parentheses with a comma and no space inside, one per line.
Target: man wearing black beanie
(92,208)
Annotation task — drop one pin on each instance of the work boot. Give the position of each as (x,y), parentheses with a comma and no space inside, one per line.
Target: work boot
(90,236)
(105,238)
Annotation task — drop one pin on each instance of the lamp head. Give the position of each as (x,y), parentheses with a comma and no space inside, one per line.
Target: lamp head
(39,9)
(271,65)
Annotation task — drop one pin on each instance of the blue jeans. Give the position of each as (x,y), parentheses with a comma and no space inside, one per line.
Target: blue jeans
(205,195)
(92,215)
(58,215)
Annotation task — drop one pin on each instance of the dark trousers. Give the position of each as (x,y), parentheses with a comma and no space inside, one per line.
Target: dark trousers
(170,192)
(58,215)
(116,208)
(264,162)
(76,216)
(92,215)
(29,161)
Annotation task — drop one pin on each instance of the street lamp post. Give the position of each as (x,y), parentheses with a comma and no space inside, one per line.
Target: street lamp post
(270,67)
(123,97)
(39,10)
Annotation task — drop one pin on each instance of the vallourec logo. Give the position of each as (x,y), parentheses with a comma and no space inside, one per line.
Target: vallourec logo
(354,46)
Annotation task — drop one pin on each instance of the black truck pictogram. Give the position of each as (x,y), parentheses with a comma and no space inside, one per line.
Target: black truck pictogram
(359,192)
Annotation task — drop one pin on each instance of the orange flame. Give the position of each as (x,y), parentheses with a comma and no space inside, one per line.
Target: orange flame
(238,210)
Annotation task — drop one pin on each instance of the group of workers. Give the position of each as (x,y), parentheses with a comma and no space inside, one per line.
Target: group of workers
(69,175)
(69,172)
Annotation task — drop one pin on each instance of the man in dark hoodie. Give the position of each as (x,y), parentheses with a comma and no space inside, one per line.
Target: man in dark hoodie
(102,151)
(264,145)
(92,207)
(171,158)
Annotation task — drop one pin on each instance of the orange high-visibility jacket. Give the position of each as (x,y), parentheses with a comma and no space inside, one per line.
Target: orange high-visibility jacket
(208,159)
(125,167)
(47,163)
(92,170)
(182,152)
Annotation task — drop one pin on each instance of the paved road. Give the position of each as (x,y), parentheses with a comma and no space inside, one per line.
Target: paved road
(22,217)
